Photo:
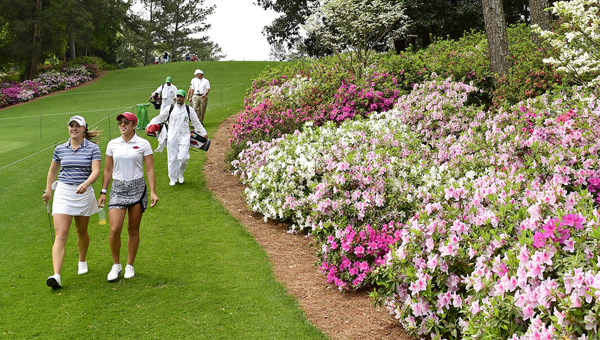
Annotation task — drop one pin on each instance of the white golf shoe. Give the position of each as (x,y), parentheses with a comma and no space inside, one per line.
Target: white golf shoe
(180,179)
(53,281)
(114,273)
(129,272)
(83,268)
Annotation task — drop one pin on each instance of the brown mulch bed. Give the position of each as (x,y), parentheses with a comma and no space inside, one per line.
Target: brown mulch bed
(292,257)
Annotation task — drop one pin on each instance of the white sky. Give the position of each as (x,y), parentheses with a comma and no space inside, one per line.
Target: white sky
(237,27)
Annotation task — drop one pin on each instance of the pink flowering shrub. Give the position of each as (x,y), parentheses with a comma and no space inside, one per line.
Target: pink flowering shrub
(495,256)
(45,83)
(350,255)
(495,214)
(282,99)
(284,105)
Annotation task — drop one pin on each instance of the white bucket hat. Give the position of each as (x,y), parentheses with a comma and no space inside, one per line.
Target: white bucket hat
(198,71)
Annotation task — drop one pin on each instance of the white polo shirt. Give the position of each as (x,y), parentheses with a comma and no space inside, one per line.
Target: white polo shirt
(128,157)
(200,86)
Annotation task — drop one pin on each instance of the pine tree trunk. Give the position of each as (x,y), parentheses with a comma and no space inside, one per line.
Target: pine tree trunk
(539,17)
(72,52)
(495,29)
(32,68)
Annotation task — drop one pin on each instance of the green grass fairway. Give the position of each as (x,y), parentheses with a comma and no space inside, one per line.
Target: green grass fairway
(199,273)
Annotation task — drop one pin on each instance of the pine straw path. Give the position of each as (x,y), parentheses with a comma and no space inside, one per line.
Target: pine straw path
(292,257)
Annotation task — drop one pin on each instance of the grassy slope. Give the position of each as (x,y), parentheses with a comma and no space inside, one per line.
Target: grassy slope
(199,273)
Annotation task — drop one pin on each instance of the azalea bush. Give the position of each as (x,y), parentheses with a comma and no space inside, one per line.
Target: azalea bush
(328,179)
(468,223)
(58,77)
(283,98)
(285,104)
(512,253)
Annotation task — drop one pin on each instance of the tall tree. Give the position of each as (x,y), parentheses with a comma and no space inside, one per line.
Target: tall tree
(495,29)
(30,34)
(34,30)
(179,20)
(150,28)
(286,28)
(37,40)
(428,18)
(356,26)
(539,17)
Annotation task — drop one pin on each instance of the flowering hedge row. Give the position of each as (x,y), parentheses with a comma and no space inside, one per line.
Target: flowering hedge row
(282,99)
(54,79)
(467,222)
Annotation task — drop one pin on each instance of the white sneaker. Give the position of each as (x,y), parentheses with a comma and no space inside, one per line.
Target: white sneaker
(129,272)
(114,273)
(54,281)
(82,267)
(180,179)
(172,183)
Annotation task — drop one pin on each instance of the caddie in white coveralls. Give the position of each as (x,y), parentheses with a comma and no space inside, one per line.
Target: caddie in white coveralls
(167,93)
(178,135)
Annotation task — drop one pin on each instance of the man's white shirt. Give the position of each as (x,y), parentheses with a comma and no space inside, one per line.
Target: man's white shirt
(200,86)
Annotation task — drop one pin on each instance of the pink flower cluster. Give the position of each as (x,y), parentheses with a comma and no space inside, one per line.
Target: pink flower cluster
(43,84)
(351,254)
(279,107)
(554,231)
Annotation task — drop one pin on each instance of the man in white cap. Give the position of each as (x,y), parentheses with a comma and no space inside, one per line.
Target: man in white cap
(166,92)
(178,118)
(198,94)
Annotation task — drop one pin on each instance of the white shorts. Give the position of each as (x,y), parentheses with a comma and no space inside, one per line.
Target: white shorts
(68,202)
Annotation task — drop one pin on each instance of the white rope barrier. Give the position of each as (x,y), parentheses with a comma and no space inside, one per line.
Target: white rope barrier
(65,113)
(119,110)
(111,108)
(63,141)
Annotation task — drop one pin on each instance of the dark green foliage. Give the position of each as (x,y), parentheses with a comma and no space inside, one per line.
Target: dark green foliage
(35,31)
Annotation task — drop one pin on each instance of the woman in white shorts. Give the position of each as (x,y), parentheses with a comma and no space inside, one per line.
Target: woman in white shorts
(125,159)
(77,163)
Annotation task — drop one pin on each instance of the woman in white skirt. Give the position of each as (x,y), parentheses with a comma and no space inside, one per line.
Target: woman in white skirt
(77,163)
(125,159)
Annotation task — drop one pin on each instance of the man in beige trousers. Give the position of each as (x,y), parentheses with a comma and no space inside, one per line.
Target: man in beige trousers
(198,94)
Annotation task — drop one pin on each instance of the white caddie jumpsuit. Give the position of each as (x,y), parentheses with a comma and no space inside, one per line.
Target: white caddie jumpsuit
(167,93)
(178,137)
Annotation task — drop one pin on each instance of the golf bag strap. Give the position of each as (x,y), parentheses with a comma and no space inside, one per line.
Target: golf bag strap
(161,89)
(187,108)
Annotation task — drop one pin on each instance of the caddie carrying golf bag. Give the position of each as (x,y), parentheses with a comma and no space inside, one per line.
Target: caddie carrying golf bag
(199,142)
(156,100)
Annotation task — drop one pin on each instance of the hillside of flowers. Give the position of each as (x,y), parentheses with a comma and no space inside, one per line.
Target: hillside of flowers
(469,208)
(282,99)
(455,224)
(54,78)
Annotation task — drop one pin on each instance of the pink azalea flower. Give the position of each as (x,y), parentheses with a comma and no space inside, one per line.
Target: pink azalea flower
(527,312)
(573,220)
(560,317)
(569,245)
